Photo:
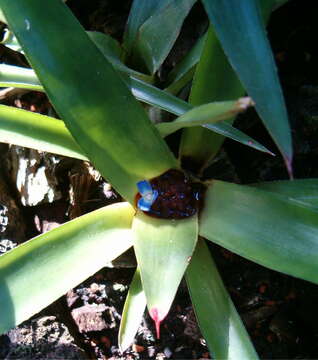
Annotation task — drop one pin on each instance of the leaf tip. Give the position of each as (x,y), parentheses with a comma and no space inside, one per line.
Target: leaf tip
(157,316)
(289,166)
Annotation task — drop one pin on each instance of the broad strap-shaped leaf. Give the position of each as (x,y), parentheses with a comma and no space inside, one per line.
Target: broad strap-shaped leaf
(32,130)
(159,32)
(218,319)
(38,272)
(263,227)
(163,249)
(214,80)
(240,29)
(133,311)
(303,191)
(204,114)
(20,77)
(97,107)
(143,92)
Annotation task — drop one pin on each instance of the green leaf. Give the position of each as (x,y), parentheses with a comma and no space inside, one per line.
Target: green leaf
(303,191)
(16,76)
(140,11)
(143,92)
(214,80)
(10,41)
(89,95)
(240,29)
(263,227)
(163,249)
(113,52)
(219,321)
(25,128)
(38,272)
(182,73)
(159,32)
(204,114)
(133,311)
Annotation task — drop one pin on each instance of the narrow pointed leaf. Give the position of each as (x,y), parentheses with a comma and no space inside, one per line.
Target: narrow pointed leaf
(303,191)
(214,80)
(89,95)
(133,311)
(204,114)
(38,272)
(219,321)
(240,29)
(145,93)
(159,32)
(263,227)
(28,129)
(183,72)
(163,249)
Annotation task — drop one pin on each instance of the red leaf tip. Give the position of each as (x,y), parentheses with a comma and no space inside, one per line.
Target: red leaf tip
(157,316)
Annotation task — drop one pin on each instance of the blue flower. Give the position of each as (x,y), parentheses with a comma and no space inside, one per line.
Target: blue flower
(148,195)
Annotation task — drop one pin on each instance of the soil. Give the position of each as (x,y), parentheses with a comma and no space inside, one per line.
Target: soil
(279,311)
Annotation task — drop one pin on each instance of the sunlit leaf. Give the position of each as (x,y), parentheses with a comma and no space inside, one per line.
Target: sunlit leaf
(219,321)
(38,272)
(273,231)
(28,129)
(90,97)
(204,114)
(133,311)
(163,249)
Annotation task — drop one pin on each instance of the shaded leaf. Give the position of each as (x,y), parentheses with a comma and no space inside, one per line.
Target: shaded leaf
(16,76)
(218,319)
(159,32)
(214,80)
(78,248)
(240,29)
(183,72)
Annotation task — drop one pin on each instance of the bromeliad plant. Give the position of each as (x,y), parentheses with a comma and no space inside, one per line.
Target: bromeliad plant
(94,93)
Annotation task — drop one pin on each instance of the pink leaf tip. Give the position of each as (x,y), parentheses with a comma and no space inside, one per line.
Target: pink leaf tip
(157,316)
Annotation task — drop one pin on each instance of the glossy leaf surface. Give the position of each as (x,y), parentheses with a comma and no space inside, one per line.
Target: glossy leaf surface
(28,129)
(89,95)
(163,249)
(263,227)
(49,265)
(218,319)
(240,29)
(133,311)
